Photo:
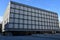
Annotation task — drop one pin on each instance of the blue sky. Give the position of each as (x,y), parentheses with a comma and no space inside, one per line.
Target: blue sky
(52,5)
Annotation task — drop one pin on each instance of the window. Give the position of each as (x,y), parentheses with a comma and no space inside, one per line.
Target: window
(33,10)
(20,25)
(55,24)
(48,27)
(42,23)
(20,21)
(33,26)
(29,13)
(16,20)
(52,17)
(11,20)
(16,15)
(43,26)
(48,16)
(15,25)
(33,14)
(45,23)
(21,7)
(10,25)
(37,19)
(33,18)
(40,19)
(29,9)
(40,15)
(43,19)
(36,14)
(36,11)
(29,17)
(21,16)
(25,17)
(56,15)
(17,6)
(52,14)
(39,23)
(12,15)
(16,11)
(51,24)
(48,13)
(29,22)
(42,12)
(36,22)
(25,8)
(25,26)
(21,12)
(50,20)
(48,23)
(25,13)
(45,13)
(12,5)
(33,22)
(29,26)
(37,27)
(11,10)
(25,21)
(39,11)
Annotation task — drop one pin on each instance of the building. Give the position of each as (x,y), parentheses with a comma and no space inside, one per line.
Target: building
(0,28)
(23,18)
(59,24)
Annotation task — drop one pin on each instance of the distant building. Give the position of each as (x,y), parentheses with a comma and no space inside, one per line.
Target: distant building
(59,24)
(20,17)
(0,28)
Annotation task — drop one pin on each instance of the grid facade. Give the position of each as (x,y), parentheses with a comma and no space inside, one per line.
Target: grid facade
(26,17)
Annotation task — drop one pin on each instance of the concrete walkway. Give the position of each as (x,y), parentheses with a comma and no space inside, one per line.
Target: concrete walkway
(32,37)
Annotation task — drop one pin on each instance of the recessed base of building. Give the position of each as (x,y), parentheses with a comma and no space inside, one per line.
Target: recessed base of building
(26,33)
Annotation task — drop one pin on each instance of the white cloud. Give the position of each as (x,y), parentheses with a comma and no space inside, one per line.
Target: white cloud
(1,18)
